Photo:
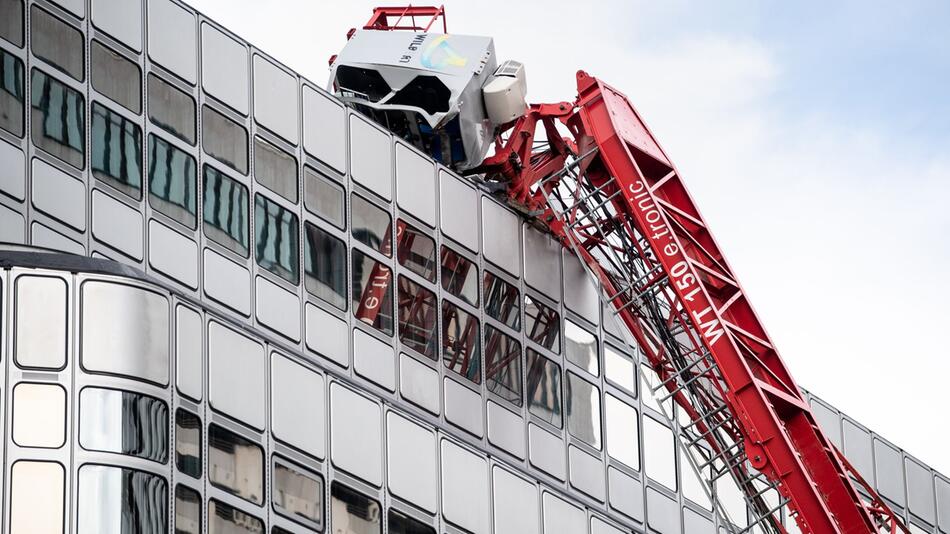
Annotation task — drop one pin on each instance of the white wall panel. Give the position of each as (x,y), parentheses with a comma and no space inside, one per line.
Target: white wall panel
(412,462)
(298,406)
(465,489)
(237,375)
(356,442)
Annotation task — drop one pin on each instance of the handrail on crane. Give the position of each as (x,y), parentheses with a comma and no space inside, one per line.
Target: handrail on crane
(381,15)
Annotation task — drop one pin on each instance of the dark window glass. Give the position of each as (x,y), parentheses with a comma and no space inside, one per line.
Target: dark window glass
(172,181)
(401,524)
(11,24)
(116,77)
(352,512)
(171,109)
(580,348)
(188,443)
(544,388)
(502,301)
(58,119)
(416,251)
(11,93)
(460,342)
(298,494)
(417,318)
(542,324)
(224,139)
(225,210)
(187,510)
(226,519)
(323,196)
(117,151)
(57,42)
(123,422)
(372,292)
(235,465)
(276,239)
(459,276)
(325,266)
(372,225)
(583,410)
(136,500)
(275,169)
(502,365)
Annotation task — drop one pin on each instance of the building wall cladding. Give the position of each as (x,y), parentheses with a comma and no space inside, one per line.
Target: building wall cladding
(258,208)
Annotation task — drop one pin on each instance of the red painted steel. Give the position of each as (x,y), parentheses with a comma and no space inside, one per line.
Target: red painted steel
(381,16)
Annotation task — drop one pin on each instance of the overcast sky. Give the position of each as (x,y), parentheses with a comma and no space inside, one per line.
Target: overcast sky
(813,136)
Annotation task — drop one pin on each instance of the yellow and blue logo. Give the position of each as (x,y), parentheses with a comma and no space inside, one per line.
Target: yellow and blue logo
(439,54)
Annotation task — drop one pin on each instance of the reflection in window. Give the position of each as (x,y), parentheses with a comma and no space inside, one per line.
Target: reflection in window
(106,493)
(58,43)
(659,452)
(123,422)
(352,512)
(235,464)
(187,510)
(583,410)
(416,251)
(11,25)
(58,119)
(36,498)
(460,342)
(371,225)
(544,388)
(459,276)
(372,292)
(542,324)
(502,365)
(117,151)
(298,494)
(620,369)
(502,301)
(580,347)
(275,169)
(225,210)
(116,77)
(324,197)
(171,109)
(172,181)
(188,443)
(226,519)
(11,92)
(403,524)
(276,242)
(325,266)
(224,139)
(417,317)
(623,432)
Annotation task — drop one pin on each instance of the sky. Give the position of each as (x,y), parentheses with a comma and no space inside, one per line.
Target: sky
(813,136)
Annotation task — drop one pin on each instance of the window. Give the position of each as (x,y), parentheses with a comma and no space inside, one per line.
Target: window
(659,452)
(39,415)
(11,92)
(620,369)
(172,181)
(224,139)
(502,365)
(116,77)
(275,169)
(171,109)
(372,225)
(276,242)
(416,251)
(417,317)
(583,410)
(403,524)
(459,276)
(542,324)
(187,510)
(235,465)
(372,292)
(580,348)
(325,266)
(225,210)
(502,301)
(36,498)
(460,342)
(298,494)
(225,519)
(106,494)
(11,26)
(623,432)
(57,42)
(323,196)
(188,443)
(117,151)
(58,119)
(123,422)
(544,388)
(352,512)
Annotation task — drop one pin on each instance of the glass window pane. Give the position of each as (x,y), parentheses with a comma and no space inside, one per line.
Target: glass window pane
(352,512)
(188,443)
(623,432)
(172,181)
(113,500)
(225,210)
(298,494)
(544,388)
(402,524)
(123,422)
(620,369)
(502,301)
(416,251)
(58,43)
(275,169)
(542,324)
(39,415)
(116,77)
(502,365)
(235,465)
(225,519)
(417,318)
(11,25)
(459,276)
(324,197)
(372,225)
(275,233)
(58,119)
(36,498)
(659,452)
(583,410)
(171,109)
(325,266)
(117,151)
(11,93)
(187,510)
(580,347)
(224,139)
(372,292)
(460,343)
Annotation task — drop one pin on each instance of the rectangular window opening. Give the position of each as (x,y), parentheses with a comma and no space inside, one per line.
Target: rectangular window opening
(276,239)
(418,309)
(461,352)
(372,292)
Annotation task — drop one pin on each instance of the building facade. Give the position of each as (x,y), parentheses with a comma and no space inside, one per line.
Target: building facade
(229,305)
